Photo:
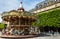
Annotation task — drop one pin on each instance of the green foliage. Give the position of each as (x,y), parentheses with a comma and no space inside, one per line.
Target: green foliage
(33,23)
(50,18)
(1,25)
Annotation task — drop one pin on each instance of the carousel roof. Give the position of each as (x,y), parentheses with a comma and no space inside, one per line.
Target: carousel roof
(19,13)
(16,12)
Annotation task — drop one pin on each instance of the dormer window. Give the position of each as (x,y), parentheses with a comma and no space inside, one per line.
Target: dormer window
(45,4)
(36,7)
(40,6)
(55,0)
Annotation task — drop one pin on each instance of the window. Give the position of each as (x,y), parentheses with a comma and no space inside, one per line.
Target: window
(36,7)
(55,0)
(45,4)
(40,6)
(52,2)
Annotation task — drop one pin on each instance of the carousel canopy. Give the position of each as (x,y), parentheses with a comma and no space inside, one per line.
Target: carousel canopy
(14,12)
(19,12)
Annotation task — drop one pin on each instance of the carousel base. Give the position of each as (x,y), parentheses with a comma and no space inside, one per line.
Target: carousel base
(18,36)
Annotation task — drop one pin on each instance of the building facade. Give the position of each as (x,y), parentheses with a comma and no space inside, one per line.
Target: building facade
(45,5)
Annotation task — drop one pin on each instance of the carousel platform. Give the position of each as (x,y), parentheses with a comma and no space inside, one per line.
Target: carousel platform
(17,36)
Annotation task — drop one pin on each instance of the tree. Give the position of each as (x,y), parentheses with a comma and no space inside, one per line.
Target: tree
(49,18)
(1,26)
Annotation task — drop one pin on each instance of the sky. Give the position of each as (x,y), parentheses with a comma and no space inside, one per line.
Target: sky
(7,5)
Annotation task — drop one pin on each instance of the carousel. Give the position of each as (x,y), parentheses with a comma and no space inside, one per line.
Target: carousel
(19,23)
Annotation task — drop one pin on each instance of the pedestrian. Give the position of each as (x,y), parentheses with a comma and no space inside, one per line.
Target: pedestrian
(52,32)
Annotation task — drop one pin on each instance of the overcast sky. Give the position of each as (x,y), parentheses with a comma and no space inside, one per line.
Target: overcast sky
(7,5)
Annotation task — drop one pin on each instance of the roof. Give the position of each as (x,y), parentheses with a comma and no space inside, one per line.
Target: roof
(15,12)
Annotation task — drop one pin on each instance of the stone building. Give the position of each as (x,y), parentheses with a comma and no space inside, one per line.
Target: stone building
(46,5)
